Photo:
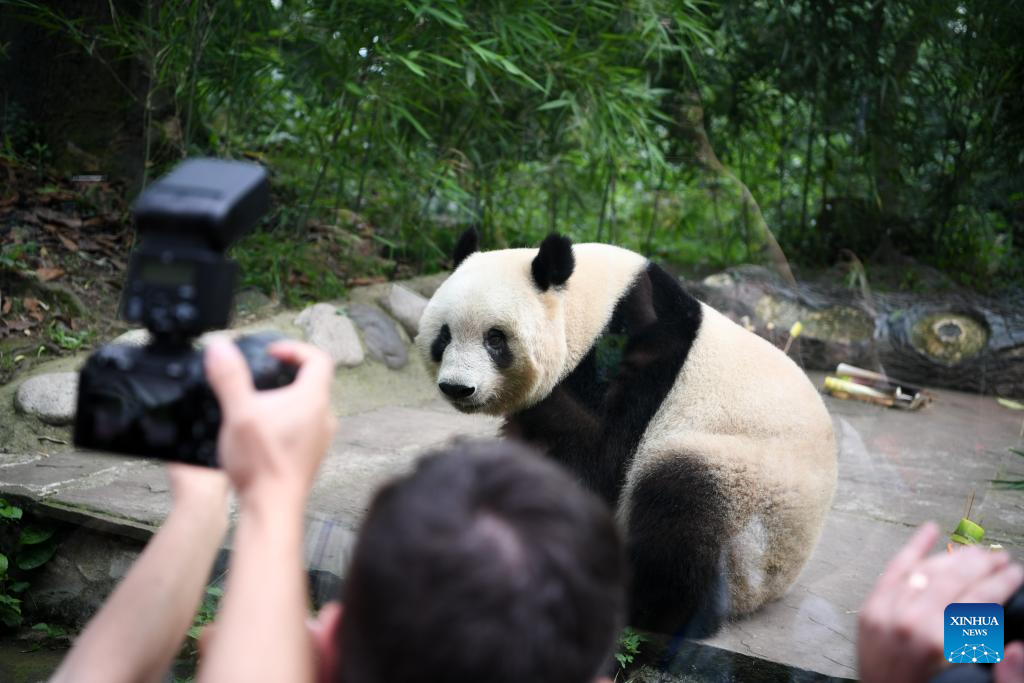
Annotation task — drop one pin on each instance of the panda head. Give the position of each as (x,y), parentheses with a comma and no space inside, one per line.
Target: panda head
(495,330)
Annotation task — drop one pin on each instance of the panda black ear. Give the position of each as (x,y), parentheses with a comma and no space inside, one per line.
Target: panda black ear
(554,262)
(468,243)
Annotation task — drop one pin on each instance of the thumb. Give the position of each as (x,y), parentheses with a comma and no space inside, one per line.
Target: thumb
(227,373)
(1011,669)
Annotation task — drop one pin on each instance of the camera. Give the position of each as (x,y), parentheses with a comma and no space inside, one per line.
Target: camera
(154,400)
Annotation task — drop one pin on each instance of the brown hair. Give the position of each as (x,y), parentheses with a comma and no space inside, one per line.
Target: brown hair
(487,563)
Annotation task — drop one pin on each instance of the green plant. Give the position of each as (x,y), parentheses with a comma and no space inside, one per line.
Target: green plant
(49,635)
(629,647)
(15,256)
(293,270)
(204,616)
(6,363)
(24,547)
(69,340)
(975,245)
(51,631)
(40,155)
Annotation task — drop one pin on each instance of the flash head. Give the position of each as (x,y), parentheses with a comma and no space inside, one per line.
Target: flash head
(180,283)
(213,200)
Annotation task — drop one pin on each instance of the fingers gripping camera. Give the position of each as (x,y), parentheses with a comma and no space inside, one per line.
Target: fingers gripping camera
(142,401)
(154,401)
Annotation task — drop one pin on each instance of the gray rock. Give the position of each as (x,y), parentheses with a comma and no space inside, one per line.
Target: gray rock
(406,307)
(139,337)
(88,565)
(329,330)
(380,333)
(251,300)
(427,285)
(50,397)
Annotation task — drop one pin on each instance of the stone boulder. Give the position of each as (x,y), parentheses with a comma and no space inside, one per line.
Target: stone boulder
(327,328)
(406,307)
(383,341)
(139,337)
(51,397)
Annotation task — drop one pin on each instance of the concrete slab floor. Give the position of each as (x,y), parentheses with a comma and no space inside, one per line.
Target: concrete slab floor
(897,469)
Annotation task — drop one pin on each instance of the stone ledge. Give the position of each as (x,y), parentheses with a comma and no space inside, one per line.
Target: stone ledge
(46,475)
(140,496)
(95,520)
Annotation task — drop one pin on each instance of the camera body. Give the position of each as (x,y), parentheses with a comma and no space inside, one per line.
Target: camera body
(154,400)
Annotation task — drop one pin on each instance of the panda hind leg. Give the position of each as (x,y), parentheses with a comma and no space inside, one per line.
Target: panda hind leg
(678,559)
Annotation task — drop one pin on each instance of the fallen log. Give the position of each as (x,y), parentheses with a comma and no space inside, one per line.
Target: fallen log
(958,340)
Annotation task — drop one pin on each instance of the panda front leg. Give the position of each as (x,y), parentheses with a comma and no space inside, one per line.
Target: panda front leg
(676,523)
(565,430)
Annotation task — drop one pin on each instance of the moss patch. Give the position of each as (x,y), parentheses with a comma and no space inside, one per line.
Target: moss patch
(836,323)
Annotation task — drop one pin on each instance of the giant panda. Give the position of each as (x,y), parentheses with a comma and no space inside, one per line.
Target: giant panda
(714,449)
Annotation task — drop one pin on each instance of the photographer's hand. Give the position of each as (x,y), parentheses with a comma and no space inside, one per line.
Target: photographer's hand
(270,445)
(141,626)
(271,442)
(900,626)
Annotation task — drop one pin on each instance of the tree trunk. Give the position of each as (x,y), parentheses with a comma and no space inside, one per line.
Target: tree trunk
(691,123)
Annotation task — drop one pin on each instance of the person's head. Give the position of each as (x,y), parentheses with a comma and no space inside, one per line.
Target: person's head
(487,563)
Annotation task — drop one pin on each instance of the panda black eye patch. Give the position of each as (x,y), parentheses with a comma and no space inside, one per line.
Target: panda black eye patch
(496,344)
(441,342)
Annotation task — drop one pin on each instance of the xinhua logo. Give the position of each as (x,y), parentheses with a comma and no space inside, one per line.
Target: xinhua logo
(974,632)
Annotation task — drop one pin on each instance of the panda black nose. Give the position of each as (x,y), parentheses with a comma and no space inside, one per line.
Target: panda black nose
(456,390)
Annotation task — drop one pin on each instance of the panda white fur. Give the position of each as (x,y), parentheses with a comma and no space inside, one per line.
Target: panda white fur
(714,448)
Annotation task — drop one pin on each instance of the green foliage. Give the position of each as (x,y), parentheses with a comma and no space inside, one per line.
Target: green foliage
(293,269)
(977,242)
(865,125)
(629,647)
(18,135)
(13,256)
(8,511)
(204,616)
(51,631)
(24,547)
(416,117)
(854,125)
(67,339)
